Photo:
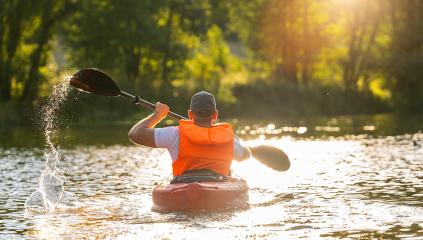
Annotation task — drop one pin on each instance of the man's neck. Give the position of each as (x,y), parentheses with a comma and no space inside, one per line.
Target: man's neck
(204,125)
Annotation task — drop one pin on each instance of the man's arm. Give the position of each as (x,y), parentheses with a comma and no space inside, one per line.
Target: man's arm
(241,152)
(143,132)
(246,154)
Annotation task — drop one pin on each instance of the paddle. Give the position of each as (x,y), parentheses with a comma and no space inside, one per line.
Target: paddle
(97,82)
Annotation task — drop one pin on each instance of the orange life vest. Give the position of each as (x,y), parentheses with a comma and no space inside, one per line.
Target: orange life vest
(204,148)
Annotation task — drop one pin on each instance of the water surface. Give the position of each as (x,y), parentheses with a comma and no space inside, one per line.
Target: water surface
(342,184)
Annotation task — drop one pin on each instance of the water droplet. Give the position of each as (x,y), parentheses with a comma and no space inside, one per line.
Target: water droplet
(51,190)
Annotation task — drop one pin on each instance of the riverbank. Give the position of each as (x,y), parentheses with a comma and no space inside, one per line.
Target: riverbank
(254,101)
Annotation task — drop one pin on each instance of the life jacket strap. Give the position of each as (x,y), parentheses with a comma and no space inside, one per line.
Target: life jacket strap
(198,175)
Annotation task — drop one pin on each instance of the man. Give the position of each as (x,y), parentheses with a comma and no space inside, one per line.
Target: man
(196,144)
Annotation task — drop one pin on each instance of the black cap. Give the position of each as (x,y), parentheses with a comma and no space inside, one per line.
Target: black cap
(203,104)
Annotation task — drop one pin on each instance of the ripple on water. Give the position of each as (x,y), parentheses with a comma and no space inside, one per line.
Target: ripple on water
(353,188)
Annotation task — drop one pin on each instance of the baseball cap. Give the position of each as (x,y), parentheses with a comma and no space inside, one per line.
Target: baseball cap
(203,104)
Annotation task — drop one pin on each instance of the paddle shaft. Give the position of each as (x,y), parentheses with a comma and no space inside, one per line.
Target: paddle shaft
(142,102)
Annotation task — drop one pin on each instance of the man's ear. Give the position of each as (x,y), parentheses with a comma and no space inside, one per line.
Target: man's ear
(190,115)
(215,115)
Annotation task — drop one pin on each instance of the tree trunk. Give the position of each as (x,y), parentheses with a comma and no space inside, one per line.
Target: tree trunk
(291,58)
(352,51)
(48,19)
(166,86)
(363,63)
(31,85)
(14,26)
(133,59)
(282,71)
(306,55)
(2,24)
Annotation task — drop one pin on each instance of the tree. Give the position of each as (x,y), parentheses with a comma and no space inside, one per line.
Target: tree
(11,30)
(122,38)
(406,62)
(291,37)
(364,20)
(51,12)
(24,37)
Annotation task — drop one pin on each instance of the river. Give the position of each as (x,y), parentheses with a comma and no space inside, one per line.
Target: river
(350,177)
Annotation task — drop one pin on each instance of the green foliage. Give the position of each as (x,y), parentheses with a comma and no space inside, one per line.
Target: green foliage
(213,67)
(121,38)
(406,63)
(367,54)
(27,28)
(288,100)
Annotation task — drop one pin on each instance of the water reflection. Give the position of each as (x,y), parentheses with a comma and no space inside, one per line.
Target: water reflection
(356,186)
(316,127)
(395,232)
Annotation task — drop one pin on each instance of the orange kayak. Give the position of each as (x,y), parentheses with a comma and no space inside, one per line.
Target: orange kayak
(201,196)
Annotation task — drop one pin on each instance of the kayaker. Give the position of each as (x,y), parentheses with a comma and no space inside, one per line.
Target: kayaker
(196,144)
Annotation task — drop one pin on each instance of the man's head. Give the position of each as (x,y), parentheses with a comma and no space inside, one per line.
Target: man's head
(203,108)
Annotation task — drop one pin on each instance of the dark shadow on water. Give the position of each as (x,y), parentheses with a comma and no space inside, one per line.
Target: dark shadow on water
(68,137)
(318,127)
(393,191)
(278,198)
(395,232)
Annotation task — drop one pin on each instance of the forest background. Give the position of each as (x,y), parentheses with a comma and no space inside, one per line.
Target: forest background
(261,58)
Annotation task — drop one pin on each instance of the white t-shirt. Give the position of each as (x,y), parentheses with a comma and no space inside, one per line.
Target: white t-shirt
(168,138)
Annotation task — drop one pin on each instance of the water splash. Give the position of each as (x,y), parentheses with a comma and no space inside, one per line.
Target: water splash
(51,190)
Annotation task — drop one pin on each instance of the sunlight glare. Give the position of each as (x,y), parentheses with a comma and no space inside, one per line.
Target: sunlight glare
(271,126)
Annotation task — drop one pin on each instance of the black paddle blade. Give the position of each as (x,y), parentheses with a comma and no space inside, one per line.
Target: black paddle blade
(272,157)
(94,81)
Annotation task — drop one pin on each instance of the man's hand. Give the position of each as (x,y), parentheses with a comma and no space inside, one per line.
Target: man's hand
(143,132)
(161,110)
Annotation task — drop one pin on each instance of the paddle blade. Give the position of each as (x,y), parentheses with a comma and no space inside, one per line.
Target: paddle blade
(94,81)
(272,157)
